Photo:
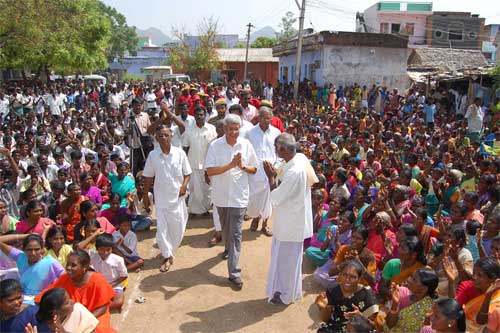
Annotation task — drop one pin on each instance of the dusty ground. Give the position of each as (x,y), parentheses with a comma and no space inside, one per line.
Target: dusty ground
(194,296)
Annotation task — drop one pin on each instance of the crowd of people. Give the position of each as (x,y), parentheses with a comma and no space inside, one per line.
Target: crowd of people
(393,197)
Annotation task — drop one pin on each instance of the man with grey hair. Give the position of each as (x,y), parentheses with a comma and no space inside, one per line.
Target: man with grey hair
(230,159)
(292,217)
(262,137)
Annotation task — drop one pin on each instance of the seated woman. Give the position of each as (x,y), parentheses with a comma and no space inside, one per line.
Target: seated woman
(447,316)
(411,257)
(483,312)
(358,251)
(100,181)
(89,190)
(89,211)
(70,210)
(381,239)
(410,304)
(346,299)
(327,229)
(120,183)
(15,315)
(319,213)
(342,237)
(35,270)
(61,314)
(86,287)
(34,222)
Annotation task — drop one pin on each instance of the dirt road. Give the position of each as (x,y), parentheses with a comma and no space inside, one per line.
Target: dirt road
(194,296)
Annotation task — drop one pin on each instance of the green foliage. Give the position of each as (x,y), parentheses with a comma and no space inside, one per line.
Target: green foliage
(264,42)
(287,27)
(127,77)
(241,45)
(123,38)
(495,73)
(65,36)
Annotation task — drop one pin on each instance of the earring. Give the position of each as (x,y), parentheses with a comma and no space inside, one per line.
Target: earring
(449,325)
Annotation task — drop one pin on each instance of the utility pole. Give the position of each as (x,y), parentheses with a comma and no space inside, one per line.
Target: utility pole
(250,26)
(299,49)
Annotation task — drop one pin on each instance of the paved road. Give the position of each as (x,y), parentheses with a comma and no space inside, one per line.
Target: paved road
(194,296)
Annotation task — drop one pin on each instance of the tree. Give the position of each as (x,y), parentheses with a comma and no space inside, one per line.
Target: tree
(241,45)
(66,36)
(123,38)
(287,27)
(495,74)
(264,42)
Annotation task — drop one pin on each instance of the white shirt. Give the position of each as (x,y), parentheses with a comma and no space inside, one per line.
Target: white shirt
(151,100)
(249,112)
(290,201)
(263,143)
(230,102)
(129,240)
(230,189)
(115,100)
(198,139)
(50,174)
(189,122)
(112,268)
(245,127)
(54,105)
(169,171)
(268,93)
(474,116)
(4,106)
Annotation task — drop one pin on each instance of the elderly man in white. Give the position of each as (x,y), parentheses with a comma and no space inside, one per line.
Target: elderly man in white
(292,218)
(230,159)
(262,137)
(170,169)
(196,140)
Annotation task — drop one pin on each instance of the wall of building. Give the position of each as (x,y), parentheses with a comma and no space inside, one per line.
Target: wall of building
(440,24)
(418,21)
(308,70)
(489,49)
(267,71)
(344,65)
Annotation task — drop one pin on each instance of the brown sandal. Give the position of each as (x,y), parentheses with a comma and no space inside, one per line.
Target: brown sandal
(165,266)
(217,238)
(267,231)
(255,224)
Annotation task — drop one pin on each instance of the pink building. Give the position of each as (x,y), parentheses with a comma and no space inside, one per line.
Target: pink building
(405,18)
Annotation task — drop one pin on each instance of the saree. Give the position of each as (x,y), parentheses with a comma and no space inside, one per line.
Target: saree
(392,271)
(122,187)
(412,317)
(73,218)
(472,308)
(451,196)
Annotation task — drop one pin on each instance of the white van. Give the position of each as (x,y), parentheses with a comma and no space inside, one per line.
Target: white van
(176,77)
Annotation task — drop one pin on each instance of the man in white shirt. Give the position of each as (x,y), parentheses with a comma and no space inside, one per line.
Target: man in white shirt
(249,111)
(4,105)
(53,100)
(474,116)
(262,137)
(196,140)
(268,92)
(246,126)
(170,169)
(291,217)
(115,99)
(230,159)
(231,99)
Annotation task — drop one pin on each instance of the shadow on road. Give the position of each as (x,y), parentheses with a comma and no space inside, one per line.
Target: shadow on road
(183,279)
(232,317)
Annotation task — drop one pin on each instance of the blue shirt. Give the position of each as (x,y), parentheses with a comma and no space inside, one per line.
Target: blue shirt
(430,111)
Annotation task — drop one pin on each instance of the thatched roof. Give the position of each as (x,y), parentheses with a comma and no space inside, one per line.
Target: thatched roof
(446,60)
(254,55)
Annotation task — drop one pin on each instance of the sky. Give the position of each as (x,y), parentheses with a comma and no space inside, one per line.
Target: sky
(234,15)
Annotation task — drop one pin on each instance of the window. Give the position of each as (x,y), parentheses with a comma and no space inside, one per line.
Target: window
(410,29)
(384,28)
(395,28)
(285,74)
(455,35)
(472,35)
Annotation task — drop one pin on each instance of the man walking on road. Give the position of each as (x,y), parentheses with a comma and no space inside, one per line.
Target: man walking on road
(169,166)
(230,159)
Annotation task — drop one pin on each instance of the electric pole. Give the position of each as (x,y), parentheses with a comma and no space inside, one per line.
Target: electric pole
(299,49)
(250,26)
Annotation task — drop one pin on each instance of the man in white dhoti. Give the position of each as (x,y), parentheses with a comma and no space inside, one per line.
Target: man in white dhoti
(169,166)
(195,142)
(230,159)
(262,137)
(292,215)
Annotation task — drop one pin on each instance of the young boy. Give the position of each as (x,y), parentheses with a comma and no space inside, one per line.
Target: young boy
(112,267)
(126,243)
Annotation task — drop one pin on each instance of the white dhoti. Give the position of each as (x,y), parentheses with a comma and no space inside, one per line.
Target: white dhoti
(171,224)
(199,193)
(216,218)
(259,201)
(285,271)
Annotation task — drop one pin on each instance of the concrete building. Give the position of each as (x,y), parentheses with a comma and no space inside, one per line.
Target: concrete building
(225,41)
(146,57)
(489,48)
(262,65)
(456,30)
(405,18)
(344,58)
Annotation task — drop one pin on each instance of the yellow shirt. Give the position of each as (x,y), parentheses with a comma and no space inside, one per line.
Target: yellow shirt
(63,254)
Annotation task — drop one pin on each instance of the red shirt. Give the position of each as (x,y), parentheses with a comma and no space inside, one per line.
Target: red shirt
(276,122)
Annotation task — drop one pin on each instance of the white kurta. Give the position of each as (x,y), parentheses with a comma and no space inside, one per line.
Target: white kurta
(290,224)
(198,140)
(171,211)
(260,194)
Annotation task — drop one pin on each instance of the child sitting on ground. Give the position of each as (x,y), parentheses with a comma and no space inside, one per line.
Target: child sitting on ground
(112,267)
(126,243)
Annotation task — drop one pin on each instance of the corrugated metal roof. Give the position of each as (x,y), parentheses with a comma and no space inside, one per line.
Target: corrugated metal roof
(254,55)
